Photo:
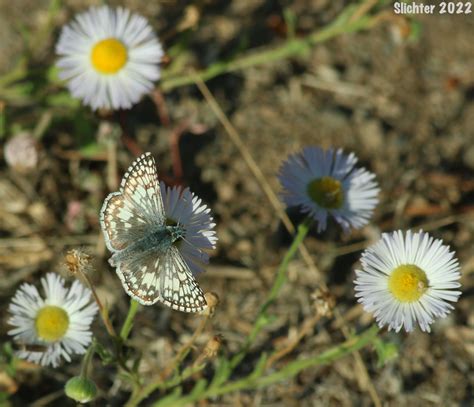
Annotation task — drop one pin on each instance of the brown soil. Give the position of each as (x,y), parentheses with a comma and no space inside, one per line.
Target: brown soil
(405,107)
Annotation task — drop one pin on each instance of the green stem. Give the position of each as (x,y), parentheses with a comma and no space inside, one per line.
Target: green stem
(160,381)
(104,312)
(291,47)
(87,361)
(261,318)
(177,379)
(280,279)
(290,370)
(128,324)
(293,368)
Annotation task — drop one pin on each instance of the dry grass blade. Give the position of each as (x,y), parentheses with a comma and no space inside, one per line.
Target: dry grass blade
(255,170)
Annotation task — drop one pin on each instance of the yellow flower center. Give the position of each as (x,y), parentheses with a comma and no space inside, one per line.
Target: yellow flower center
(51,323)
(326,192)
(109,56)
(408,283)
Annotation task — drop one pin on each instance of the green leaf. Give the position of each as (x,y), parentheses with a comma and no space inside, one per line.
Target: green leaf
(19,72)
(62,99)
(84,131)
(386,351)
(4,399)
(52,75)
(105,356)
(344,16)
(7,349)
(199,388)
(222,373)
(8,360)
(170,399)
(18,92)
(290,20)
(92,150)
(416,29)
(260,367)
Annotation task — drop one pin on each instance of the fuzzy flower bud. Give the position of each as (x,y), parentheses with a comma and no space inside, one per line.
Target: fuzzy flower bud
(210,350)
(21,152)
(77,261)
(212,300)
(324,302)
(212,347)
(80,389)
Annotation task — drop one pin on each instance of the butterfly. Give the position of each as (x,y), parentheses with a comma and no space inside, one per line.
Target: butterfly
(143,246)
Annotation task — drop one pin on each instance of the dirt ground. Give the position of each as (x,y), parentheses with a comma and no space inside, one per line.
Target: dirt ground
(405,106)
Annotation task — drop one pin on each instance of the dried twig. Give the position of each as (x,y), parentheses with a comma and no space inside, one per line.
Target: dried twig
(255,170)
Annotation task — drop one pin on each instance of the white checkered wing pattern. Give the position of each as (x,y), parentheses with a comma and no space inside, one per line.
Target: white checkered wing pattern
(128,214)
(165,278)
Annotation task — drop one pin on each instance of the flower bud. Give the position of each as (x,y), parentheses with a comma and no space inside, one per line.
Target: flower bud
(324,302)
(213,346)
(77,261)
(210,350)
(80,389)
(21,152)
(212,300)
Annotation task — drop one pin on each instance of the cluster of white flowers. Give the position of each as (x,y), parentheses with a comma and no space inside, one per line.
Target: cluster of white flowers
(110,58)
(405,279)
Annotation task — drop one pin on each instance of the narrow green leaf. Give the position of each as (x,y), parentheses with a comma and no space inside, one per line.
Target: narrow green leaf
(199,388)
(62,99)
(290,20)
(222,373)
(386,351)
(171,399)
(260,367)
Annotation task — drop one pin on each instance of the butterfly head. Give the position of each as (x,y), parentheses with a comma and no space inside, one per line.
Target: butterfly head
(176,231)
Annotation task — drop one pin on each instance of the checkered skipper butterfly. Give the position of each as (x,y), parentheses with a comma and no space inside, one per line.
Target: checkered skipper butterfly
(143,248)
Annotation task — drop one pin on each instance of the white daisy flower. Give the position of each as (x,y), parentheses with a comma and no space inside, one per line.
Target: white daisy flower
(109,57)
(54,327)
(184,207)
(408,280)
(326,183)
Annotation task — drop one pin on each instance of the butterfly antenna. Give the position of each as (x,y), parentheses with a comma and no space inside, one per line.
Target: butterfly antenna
(195,247)
(188,242)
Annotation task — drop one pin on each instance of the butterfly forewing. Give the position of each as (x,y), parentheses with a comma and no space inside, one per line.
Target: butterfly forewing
(126,215)
(141,187)
(121,221)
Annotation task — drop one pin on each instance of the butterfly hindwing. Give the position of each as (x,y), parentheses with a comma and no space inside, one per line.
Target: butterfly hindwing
(178,287)
(149,278)
(140,275)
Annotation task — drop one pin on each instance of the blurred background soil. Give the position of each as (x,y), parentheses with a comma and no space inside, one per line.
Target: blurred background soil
(403,103)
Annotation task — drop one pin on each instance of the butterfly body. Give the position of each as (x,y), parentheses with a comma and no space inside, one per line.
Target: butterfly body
(143,246)
(158,241)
